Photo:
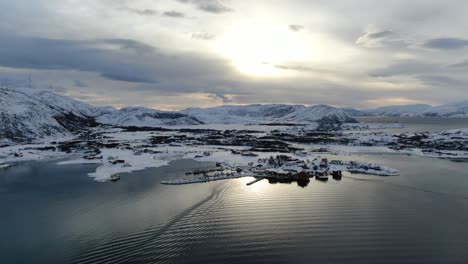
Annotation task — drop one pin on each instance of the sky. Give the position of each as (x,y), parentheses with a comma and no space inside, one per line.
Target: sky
(174,54)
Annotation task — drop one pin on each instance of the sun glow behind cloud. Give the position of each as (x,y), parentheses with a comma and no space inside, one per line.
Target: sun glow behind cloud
(301,52)
(255,48)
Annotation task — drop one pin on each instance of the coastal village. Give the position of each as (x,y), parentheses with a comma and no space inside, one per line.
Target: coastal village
(283,169)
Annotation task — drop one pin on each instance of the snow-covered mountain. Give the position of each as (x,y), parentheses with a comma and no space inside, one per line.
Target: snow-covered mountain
(28,114)
(354,112)
(275,113)
(459,109)
(398,110)
(145,117)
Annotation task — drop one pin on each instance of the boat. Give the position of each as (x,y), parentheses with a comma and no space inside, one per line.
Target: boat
(115,177)
(321,176)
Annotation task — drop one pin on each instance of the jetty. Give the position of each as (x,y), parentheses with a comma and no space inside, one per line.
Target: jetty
(255,181)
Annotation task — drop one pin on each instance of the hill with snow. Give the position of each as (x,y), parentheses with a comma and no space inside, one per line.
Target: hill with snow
(398,110)
(276,113)
(28,114)
(145,117)
(459,110)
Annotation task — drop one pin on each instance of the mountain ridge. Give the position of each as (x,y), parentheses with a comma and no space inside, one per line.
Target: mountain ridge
(28,114)
(274,113)
(455,110)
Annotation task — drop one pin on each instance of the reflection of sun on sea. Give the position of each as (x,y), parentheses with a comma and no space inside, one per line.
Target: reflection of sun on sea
(255,49)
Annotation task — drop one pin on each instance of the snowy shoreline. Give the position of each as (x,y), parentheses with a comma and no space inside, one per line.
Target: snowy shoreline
(119,150)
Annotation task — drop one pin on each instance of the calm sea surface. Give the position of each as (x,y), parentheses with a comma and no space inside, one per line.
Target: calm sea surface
(418,124)
(56,214)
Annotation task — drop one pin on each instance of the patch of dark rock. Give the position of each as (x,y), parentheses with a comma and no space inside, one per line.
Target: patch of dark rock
(144,129)
(75,123)
(282,124)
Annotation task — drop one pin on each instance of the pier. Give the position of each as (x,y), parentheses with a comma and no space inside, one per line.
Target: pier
(255,181)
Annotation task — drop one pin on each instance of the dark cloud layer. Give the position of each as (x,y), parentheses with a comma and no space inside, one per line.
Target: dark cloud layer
(211,6)
(406,68)
(446,43)
(113,58)
(174,14)
(142,12)
(116,59)
(296,27)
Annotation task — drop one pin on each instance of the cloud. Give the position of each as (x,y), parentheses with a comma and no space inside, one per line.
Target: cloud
(294,68)
(226,98)
(392,101)
(124,45)
(56,89)
(460,65)
(211,6)
(379,35)
(101,42)
(115,59)
(306,69)
(446,43)
(381,39)
(142,12)
(296,27)
(203,36)
(174,14)
(440,80)
(406,68)
(79,83)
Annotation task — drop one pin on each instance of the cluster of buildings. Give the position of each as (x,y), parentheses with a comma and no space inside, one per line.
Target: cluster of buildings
(284,168)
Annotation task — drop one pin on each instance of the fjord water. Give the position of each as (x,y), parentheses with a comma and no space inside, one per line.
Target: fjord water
(417,124)
(57,214)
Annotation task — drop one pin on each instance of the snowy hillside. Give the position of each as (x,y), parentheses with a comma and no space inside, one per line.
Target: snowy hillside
(459,109)
(28,114)
(269,114)
(145,117)
(398,110)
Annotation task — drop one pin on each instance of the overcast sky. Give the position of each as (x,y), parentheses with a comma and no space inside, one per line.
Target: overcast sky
(173,54)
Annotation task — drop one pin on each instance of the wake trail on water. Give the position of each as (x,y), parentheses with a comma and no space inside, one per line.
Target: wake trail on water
(129,247)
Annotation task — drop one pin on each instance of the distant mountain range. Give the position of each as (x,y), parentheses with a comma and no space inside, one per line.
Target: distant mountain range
(459,110)
(28,114)
(275,113)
